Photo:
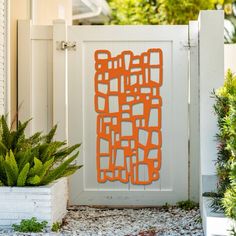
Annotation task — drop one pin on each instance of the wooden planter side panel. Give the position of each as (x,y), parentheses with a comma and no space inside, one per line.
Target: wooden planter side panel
(45,203)
(59,200)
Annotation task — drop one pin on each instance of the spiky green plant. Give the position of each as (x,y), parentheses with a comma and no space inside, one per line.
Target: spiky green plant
(224,109)
(35,160)
(229,199)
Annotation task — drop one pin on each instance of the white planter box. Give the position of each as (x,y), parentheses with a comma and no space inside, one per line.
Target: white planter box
(213,223)
(45,203)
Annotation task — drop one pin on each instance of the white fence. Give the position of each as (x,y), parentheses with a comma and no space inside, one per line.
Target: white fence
(64,87)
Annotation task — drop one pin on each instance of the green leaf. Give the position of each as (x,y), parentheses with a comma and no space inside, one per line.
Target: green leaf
(66,151)
(46,166)
(23,176)
(50,150)
(27,157)
(58,171)
(35,170)
(2,169)
(18,133)
(11,180)
(35,180)
(10,163)
(70,171)
(50,135)
(6,136)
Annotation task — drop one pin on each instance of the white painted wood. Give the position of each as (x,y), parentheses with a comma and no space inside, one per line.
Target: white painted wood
(35,75)
(46,203)
(211,76)
(194,154)
(39,85)
(25,73)
(35,60)
(230,57)
(41,32)
(211,59)
(173,185)
(60,103)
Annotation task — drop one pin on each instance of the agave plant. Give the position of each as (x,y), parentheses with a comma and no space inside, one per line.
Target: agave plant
(35,160)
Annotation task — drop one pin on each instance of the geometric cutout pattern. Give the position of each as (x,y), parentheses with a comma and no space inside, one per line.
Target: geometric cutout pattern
(128,105)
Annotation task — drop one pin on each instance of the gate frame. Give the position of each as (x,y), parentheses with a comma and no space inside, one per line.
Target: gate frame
(206,70)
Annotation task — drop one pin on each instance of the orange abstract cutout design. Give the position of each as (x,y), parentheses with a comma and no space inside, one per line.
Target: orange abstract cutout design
(128,105)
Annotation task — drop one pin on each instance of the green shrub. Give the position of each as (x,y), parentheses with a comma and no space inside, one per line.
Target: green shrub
(224,109)
(30,225)
(229,202)
(177,12)
(134,12)
(56,227)
(229,199)
(187,205)
(33,161)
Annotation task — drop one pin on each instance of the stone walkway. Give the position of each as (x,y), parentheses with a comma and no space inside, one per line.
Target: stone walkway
(86,221)
(147,221)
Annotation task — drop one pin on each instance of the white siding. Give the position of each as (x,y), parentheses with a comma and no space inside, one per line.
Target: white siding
(2,55)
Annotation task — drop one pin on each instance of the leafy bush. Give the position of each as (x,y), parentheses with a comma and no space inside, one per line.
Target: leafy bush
(229,199)
(56,227)
(31,225)
(33,161)
(187,205)
(133,12)
(182,11)
(229,202)
(230,20)
(225,108)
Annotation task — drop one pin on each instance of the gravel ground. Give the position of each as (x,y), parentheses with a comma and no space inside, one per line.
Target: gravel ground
(128,222)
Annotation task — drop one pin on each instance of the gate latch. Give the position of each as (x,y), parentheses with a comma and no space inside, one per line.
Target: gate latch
(64,45)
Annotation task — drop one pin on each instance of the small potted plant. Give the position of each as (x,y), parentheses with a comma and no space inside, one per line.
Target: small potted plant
(32,175)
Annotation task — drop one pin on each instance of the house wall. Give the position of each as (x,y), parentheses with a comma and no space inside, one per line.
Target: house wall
(45,11)
(3,45)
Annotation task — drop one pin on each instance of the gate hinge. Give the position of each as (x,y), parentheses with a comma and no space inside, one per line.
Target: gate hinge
(64,45)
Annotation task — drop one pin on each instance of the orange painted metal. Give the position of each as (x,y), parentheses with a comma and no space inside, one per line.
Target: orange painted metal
(127,94)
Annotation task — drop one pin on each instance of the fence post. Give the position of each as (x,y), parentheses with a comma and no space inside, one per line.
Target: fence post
(194,152)
(211,75)
(25,73)
(60,98)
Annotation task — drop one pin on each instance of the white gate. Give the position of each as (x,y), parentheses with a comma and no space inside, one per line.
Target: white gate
(128,105)
(123,92)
